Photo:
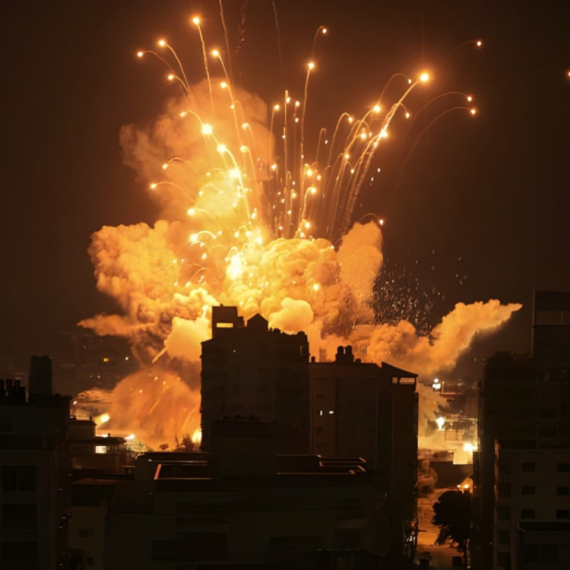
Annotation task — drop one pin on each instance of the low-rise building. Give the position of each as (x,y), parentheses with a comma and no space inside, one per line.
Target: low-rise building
(244,507)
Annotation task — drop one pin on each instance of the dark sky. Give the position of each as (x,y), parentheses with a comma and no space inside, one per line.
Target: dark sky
(485,198)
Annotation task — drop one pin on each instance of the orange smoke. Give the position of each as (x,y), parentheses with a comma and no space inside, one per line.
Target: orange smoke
(215,242)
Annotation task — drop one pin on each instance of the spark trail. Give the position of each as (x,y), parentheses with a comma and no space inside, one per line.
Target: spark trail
(248,219)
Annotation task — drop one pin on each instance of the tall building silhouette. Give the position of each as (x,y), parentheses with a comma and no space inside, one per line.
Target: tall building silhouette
(523,469)
(370,411)
(251,371)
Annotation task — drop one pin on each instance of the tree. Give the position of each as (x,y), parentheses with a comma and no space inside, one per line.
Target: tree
(453,515)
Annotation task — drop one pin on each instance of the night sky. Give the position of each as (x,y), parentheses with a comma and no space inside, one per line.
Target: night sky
(479,210)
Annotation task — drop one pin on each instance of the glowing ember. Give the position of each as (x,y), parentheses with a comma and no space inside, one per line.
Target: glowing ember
(248,220)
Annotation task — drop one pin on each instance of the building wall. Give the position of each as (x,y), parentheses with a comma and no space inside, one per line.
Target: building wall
(253,371)
(370,411)
(33,492)
(524,404)
(246,524)
(532,486)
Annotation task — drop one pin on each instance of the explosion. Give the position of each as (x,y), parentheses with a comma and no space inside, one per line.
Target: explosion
(247,219)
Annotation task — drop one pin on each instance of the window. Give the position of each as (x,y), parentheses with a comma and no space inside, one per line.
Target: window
(503,536)
(530,552)
(527,490)
(86,532)
(19,478)
(527,513)
(504,490)
(548,553)
(563,468)
(503,513)
(563,491)
(19,554)
(18,517)
(540,553)
(528,467)
(563,514)
(504,560)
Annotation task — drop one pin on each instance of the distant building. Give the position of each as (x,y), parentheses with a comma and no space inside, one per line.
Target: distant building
(89,451)
(34,468)
(99,362)
(522,477)
(254,371)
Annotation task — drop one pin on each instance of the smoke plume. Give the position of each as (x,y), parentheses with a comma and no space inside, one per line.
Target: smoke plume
(215,242)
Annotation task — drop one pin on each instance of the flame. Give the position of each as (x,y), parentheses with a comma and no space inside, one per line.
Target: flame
(197,437)
(244,221)
(102,419)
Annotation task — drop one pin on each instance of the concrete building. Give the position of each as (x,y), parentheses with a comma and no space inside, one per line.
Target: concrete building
(364,410)
(522,473)
(34,468)
(344,408)
(88,509)
(254,371)
(243,507)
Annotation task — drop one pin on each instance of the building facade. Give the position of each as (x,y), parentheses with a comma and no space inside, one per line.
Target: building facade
(523,467)
(370,411)
(34,469)
(252,371)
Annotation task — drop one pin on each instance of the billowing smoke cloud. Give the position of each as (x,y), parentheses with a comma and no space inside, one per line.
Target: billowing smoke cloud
(156,405)
(214,243)
(401,346)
